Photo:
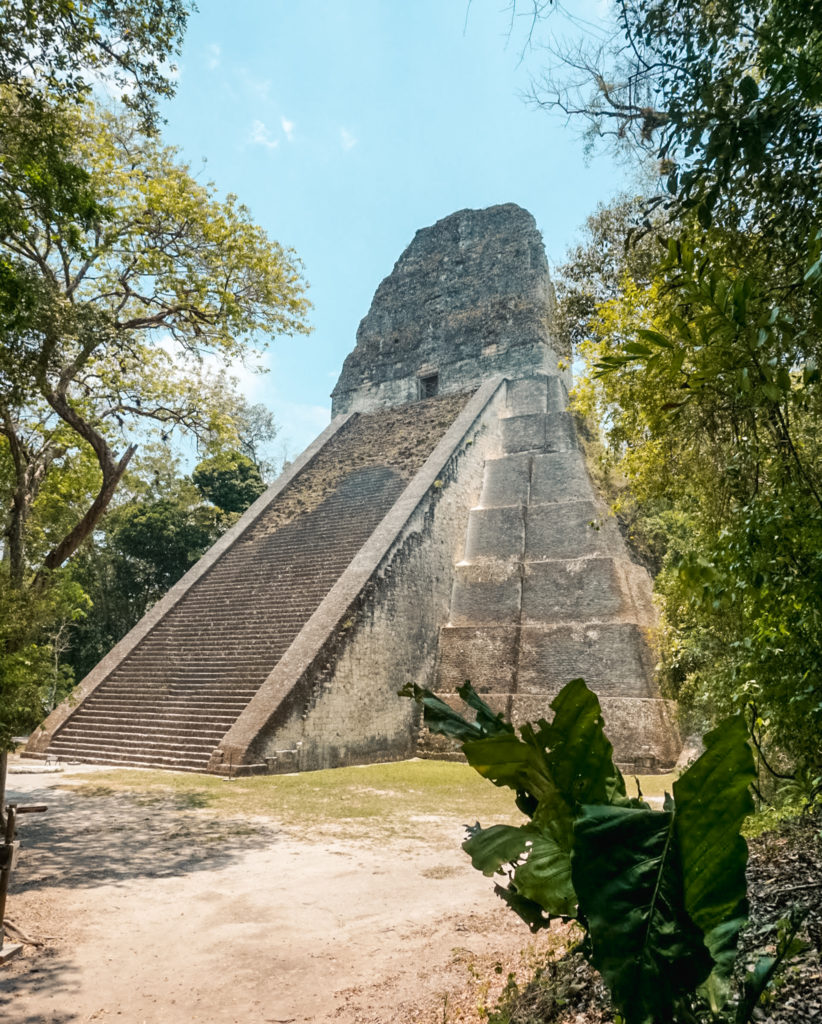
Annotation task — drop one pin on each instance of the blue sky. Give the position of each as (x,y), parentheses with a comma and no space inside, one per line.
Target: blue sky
(346,125)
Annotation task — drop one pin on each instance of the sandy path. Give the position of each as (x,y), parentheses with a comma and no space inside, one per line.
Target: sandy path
(168,916)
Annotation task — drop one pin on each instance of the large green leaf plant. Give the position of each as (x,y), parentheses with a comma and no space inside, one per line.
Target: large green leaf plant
(660,894)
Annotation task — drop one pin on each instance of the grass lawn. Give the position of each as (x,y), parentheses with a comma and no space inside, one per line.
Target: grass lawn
(383,798)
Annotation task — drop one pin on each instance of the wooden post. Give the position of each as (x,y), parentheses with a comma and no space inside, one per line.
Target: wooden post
(4,764)
(8,861)
(7,851)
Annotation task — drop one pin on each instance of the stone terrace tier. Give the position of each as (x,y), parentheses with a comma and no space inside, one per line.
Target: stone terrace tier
(170,701)
(547,590)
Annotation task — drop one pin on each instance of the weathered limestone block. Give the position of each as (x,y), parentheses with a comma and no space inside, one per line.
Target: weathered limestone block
(538,432)
(571,529)
(612,657)
(507,481)
(643,730)
(486,592)
(523,433)
(529,395)
(487,656)
(469,298)
(539,393)
(557,393)
(560,476)
(560,434)
(585,589)
(495,533)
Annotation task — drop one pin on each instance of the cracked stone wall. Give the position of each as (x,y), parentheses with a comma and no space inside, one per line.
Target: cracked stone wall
(469,298)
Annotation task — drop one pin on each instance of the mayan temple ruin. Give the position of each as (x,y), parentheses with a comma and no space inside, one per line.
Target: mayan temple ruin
(442,528)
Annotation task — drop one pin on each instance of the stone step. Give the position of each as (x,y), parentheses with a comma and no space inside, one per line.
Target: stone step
(147,723)
(150,752)
(496,533)
(193,705)
(486,593)
(178,764)
(573,529)
(613,657)
(586,590)
(558,477)
(104,741)
(593,589)
(534,478)
(506,481)
(487,656)
(177,689)
(538,394)
(103,725)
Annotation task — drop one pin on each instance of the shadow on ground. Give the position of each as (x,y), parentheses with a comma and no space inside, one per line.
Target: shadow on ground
(100,838)
(51,975)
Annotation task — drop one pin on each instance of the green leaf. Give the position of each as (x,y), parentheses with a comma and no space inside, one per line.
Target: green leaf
(712,800)
(530,912)
(581,756)
(489,722)
(748,89)
(438,716)
(545,874)
(628,879)
(490,848)
(507,761)
(655,338)
(704,216)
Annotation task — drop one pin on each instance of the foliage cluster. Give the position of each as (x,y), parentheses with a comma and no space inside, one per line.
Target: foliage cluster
(709,399)
(698,312)
(659,894)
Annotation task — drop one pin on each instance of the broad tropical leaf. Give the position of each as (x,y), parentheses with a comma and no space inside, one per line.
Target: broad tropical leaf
(530,912)
(712,800)
(490,848)
(488,721)
(580,757)
(438,716)
(544,874)
(441,718)
(628,878)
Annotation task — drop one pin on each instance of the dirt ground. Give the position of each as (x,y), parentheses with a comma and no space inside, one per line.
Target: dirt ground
(157,913)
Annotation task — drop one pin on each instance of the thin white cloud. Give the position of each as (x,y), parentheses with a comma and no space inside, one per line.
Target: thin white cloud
(258,87)
(261,136)
(347,139)
(213,59)
(288,128)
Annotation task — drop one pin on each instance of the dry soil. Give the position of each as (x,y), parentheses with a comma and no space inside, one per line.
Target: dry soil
(156,913)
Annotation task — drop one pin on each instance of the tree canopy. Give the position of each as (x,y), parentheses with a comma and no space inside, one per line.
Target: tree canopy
(125,299)
(68,46)
(697,308)
(125,284)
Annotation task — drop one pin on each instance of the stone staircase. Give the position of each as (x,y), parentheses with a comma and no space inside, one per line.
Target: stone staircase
(547,592)
(174,697)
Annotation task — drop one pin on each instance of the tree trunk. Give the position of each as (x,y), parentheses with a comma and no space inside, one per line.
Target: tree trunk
(69,544)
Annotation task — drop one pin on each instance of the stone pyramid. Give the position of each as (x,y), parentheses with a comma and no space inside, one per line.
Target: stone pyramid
(442,528)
